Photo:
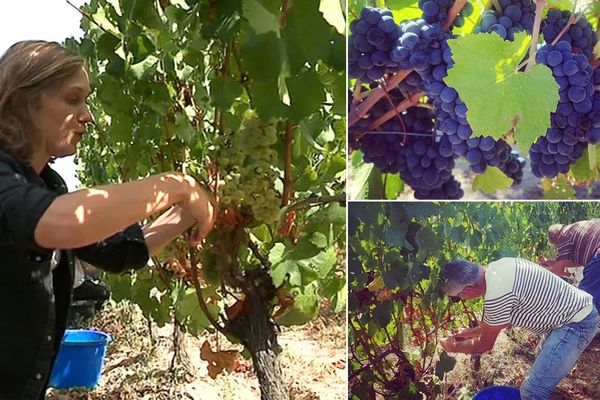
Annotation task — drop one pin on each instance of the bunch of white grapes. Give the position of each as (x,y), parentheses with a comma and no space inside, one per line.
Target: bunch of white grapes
(247,164)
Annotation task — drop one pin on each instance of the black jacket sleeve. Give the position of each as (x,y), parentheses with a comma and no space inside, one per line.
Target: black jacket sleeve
(123,251)
(22,204)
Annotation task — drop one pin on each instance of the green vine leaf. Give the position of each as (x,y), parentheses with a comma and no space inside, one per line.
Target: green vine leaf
(558,188)
(444,365)
(492,180)
(585,169)
(500,99)
(259,17)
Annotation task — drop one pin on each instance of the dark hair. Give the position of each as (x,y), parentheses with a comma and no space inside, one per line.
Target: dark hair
(457,274)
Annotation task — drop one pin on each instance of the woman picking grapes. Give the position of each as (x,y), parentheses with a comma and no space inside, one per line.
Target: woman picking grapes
(43,115)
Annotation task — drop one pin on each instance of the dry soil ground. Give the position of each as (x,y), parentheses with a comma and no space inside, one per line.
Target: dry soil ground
(313,359)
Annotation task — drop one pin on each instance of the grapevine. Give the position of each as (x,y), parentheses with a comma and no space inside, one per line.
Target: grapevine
(235,97)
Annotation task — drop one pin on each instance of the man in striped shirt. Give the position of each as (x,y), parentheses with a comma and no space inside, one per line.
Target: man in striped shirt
(519,293)
(577,245)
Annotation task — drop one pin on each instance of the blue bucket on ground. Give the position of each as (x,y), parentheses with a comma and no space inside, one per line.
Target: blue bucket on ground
(80,359)
(498,393)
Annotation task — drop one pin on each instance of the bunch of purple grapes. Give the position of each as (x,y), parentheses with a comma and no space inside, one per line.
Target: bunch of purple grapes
(580,36)
(517,15)
(436,11)
(565,141)
(372,37)
(409,146)
(357,130)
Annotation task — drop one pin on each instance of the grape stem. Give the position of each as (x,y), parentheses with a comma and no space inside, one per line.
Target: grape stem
(389,99)
(404,105)
(89,17)
(498,7)
(313,201)
(573,19)
(360,111)
(453,13)
(201,301)
(263,260)
(287,179)
(539,9)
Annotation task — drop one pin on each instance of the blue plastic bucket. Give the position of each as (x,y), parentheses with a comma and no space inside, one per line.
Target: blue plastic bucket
(498,393)
(80,359)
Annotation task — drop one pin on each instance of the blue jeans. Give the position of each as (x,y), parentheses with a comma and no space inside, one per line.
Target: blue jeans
(558,355)
(591,279)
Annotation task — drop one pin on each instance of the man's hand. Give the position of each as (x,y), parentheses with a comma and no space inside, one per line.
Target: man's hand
(557,267)
(448,344)
(467,334)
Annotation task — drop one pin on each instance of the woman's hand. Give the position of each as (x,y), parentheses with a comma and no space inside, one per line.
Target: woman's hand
(203,206)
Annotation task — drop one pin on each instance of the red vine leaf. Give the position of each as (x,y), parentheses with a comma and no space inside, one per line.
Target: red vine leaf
(219,360)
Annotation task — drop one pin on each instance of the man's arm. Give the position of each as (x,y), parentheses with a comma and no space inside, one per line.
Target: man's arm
(559,267)
(480,344)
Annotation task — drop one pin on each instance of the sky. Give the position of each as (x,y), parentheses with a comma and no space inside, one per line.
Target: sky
(52,20)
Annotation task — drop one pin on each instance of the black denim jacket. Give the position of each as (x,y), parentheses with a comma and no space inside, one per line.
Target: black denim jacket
(34,299)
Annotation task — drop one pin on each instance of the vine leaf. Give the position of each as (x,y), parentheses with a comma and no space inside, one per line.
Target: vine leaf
(218,360)
(358,176)
(404,9)
(582,170)
(224,90)
(445,364)
(395,277)
(304,309)
(259,18)
(501,99)
(558,188)
(393,186)
(382,314)
(491,181)
(561,4)
(418,272)
(427,241)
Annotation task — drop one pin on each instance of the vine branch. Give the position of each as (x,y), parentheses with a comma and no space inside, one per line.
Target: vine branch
(539,9)
(201,301)
(313,201)
(255,250)
(453,13)
(86,15)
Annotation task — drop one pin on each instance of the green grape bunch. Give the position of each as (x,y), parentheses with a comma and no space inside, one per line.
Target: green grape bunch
(247,164)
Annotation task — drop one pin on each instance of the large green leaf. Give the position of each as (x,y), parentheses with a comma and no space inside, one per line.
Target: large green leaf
(491,181)
(499,98)
(259,17)
(305,308)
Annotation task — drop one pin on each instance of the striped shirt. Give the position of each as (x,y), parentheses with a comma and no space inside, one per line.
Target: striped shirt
(579,242)
(527,295)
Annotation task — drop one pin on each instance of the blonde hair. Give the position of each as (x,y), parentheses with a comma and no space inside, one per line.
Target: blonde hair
(27,70)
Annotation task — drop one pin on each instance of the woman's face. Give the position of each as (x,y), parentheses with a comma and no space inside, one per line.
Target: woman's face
(63,114)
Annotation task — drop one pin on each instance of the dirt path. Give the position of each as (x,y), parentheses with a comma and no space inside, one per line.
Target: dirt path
(313,358)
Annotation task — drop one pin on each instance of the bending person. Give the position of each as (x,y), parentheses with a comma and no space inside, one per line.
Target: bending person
(43,114)
(519,293)
(577,245)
